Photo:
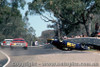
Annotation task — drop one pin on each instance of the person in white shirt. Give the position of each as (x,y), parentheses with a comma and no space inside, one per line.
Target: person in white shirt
(36,43)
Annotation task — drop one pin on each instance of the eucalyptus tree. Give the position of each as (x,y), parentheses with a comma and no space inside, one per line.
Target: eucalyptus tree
(11,21)
(68,13)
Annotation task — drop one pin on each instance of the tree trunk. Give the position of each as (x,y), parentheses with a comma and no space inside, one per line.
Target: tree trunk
(58,31)
(90,28)
(86,28)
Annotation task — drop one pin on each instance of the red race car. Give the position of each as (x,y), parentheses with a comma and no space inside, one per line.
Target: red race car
(19,42)
(98,34)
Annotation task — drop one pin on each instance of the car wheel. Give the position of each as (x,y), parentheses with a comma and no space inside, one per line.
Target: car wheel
(11,47)
(25,48)
(2,47)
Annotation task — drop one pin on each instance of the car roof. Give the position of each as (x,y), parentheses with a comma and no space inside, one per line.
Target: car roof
(8,39)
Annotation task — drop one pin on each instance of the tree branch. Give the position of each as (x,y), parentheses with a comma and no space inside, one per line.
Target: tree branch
(50,16)
(46,19)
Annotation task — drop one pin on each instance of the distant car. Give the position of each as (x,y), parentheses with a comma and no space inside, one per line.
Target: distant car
(6,42)
(96,34)
(19,42)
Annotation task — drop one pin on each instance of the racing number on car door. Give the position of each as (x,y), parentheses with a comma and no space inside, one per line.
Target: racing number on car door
(70,45)
(73,45)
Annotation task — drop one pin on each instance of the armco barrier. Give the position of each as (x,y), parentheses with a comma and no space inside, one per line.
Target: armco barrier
(86,40)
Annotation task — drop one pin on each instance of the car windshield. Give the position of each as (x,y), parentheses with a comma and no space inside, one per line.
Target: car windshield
(8,41)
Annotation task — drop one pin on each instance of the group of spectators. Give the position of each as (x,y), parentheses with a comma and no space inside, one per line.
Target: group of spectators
(78,36)
(97,27)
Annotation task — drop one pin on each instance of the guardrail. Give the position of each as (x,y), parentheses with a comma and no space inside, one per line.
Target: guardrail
(86,40)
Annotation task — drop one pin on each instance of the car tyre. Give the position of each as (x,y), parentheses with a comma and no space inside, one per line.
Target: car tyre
(11,47)
(25,48)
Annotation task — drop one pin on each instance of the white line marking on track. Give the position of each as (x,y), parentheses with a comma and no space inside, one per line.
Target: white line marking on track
(7,58)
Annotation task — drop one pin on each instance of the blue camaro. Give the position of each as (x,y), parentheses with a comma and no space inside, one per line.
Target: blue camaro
(62,45)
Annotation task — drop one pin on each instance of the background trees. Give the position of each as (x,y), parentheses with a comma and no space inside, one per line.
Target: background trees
(47,34)
(12,25)
(69,14)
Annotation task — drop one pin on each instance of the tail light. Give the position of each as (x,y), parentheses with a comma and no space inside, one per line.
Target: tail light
(11,43)
(26,44)
(4,42)
(98,33)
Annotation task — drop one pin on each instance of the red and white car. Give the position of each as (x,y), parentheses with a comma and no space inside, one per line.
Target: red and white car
(19,42)
(6,42)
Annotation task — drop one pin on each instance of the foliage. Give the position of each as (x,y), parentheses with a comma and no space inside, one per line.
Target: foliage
(11,21)
(47,34)
(69,13)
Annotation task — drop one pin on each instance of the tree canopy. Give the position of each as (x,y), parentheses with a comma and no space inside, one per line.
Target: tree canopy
(69,13)
(12,25)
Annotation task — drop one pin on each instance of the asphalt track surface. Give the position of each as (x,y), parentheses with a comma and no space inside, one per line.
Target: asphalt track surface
(48,57)
(3,59)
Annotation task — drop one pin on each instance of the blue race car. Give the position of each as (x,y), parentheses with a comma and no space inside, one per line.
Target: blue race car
(62,45)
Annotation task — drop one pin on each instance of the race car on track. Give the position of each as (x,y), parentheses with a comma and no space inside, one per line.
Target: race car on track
(67,45)
(96,34)
(6,42)
(19,42)
(84,43)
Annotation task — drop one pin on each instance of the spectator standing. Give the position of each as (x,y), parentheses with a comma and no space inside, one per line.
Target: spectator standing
(33,44)
(36,43)
(96,27)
